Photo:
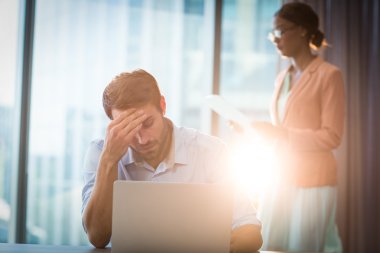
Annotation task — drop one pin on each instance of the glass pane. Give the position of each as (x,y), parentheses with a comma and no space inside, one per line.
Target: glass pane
(249,59)
(9,110)
(80,46)
(248,68)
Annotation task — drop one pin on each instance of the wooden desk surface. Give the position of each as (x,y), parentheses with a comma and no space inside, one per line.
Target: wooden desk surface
(38,248)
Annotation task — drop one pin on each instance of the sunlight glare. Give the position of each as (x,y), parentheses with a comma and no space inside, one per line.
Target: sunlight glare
(253,162)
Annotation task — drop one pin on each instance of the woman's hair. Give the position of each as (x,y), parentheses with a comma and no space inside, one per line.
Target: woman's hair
(128,90)
(303,15)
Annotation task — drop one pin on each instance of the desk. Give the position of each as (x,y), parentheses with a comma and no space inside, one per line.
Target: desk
(38,248)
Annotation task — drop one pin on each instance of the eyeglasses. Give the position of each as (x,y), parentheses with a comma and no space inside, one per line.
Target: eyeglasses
(277,33)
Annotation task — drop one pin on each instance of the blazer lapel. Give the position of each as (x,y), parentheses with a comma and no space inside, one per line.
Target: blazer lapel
(302,83)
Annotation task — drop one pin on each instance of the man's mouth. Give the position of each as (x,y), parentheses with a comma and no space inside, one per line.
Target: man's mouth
(146,147)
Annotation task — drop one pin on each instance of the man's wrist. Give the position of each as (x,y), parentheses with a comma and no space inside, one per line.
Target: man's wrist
(107,164)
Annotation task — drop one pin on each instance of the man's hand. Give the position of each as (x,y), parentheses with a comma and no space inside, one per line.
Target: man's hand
(246,239)
(120,133)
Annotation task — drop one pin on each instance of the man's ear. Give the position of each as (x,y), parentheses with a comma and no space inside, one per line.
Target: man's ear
(163,105)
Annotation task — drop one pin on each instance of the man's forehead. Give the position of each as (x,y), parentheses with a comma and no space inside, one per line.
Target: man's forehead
(148,109)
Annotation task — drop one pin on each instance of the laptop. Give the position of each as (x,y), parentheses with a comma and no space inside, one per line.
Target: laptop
(170,217)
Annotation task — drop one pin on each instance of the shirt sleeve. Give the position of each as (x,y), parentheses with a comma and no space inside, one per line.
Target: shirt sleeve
(91,162)
(244,212)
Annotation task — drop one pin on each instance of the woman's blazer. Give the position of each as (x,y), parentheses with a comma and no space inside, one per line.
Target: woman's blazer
(314,117)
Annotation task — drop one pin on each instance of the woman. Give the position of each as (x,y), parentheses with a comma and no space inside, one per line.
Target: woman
(307,125)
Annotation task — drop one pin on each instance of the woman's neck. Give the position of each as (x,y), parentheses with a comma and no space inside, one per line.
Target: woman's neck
(301,61)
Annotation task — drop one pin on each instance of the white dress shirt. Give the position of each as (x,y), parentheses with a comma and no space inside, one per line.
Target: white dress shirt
(193,158)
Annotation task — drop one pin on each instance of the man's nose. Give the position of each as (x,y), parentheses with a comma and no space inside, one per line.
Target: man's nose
(141,138)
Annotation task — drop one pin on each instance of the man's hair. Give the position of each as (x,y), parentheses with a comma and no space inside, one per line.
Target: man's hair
(128,90)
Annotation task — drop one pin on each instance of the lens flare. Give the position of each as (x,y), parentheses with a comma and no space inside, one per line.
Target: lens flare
(254,166)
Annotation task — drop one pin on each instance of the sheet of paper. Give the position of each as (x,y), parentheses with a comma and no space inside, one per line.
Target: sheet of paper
(228,112)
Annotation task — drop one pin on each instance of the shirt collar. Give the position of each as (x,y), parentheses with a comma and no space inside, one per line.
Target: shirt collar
(178,151)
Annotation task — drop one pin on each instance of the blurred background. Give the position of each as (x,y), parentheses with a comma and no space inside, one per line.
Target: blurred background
(56,57)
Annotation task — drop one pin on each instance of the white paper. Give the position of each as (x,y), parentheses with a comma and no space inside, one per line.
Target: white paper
(228,112)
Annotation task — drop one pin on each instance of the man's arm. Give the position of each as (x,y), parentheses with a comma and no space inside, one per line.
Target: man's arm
(246,239)
(97,215)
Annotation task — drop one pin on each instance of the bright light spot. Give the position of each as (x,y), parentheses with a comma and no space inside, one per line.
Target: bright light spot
(254,166)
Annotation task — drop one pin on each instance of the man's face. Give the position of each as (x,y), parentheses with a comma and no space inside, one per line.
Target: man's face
(149,140)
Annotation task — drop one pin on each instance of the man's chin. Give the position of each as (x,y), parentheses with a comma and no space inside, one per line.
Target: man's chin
(148,155)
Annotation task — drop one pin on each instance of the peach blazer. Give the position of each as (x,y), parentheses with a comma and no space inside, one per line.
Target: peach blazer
(314,116)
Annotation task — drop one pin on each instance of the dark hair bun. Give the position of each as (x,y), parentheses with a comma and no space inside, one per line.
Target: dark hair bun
(317,38)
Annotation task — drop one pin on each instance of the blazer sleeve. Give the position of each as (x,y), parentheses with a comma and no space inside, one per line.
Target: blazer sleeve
(332,109)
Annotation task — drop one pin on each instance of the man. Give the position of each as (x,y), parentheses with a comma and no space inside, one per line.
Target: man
(141,144)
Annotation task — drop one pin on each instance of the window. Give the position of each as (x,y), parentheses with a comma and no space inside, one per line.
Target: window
(9,110)
(248,59)
(248,69)
(78,47)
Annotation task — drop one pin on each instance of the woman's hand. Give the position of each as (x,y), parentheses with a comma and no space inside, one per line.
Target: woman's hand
(235,126)
(269,131)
